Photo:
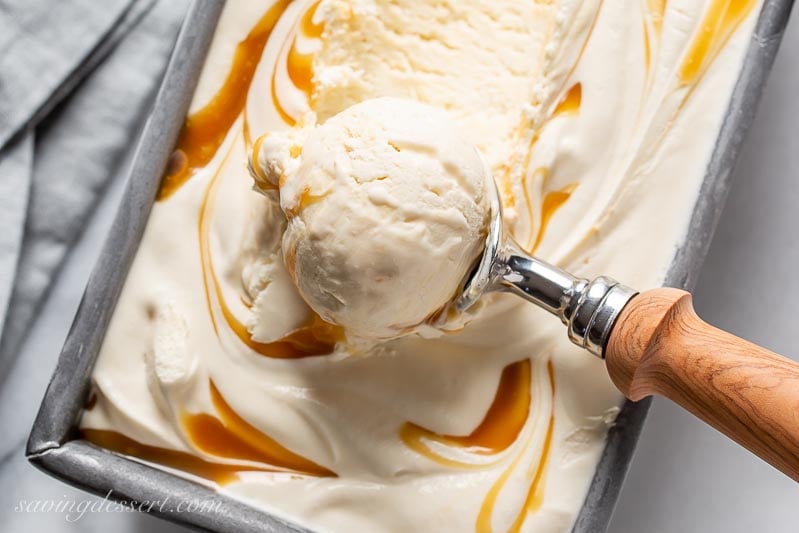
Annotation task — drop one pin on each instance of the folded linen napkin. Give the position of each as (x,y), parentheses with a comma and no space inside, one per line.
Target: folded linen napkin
(76,79)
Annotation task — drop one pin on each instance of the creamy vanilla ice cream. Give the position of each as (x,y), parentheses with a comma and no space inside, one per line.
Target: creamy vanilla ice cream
(597,120)
(387,209)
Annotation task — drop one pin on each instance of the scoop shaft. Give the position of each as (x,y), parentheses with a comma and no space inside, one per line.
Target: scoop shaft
(588,308)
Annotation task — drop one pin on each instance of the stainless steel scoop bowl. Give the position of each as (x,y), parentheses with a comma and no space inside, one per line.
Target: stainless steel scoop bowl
(588,308)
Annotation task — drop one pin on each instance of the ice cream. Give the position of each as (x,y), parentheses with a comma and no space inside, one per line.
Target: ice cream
(597,120)
(387,212)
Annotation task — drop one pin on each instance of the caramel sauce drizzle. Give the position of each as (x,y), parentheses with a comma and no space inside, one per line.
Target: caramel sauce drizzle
(553,201)
(219,473)
(299,66)
(284,115)
(719,23)
(505,183)
(543,174)
(205,130)
(535,494)
(568,106)
(317,337)
(306,199)
(654,14)
(310,28)
(499,428)
(232,437)
(656,10)
(263,183)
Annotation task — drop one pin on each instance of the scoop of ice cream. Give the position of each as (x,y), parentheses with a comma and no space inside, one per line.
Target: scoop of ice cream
(387,209)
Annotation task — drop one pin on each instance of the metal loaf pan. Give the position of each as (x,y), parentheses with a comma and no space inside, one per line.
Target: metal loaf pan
(53,445)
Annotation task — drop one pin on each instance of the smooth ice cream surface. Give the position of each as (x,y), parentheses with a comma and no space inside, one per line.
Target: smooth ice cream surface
(597,120)
(387,212)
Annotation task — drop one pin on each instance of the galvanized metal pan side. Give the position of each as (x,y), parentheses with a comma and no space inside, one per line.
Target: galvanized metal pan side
(601,499)
(50,446)
(743,105)
(66,393)
(76,462)
(149,489)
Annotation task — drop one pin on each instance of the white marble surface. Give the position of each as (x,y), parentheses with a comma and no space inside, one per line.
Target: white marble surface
(685,476)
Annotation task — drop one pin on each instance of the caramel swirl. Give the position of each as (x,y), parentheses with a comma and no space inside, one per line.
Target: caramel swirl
(204,131)
(499,428)
(229,435)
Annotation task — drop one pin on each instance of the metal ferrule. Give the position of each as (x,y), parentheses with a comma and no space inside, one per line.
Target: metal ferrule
(588,308)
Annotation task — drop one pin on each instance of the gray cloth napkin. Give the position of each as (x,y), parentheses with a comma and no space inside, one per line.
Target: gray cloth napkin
(76,81)
(16,161)
(77,78)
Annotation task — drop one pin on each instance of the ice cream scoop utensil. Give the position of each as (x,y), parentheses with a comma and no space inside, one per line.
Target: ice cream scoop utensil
(654,343)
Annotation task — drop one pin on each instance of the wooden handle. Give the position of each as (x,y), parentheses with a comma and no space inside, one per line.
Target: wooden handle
(660,346)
